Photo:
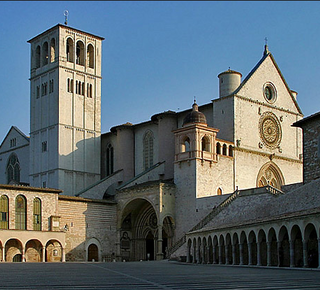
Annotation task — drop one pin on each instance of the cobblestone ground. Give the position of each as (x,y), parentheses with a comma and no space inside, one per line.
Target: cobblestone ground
(152,275)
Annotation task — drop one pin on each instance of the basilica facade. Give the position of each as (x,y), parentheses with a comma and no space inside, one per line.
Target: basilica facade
(141,191)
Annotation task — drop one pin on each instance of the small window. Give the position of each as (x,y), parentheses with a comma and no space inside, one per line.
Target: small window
(37,214)
(205,144)
(37,62)
(230,151)
(44,184)
(148,150)
(13,142)
(80,53)
(44,146)
(218,148)
(13,169)
(90,56)
(69,51)
(21,213)
(4,212)
(224,149)
(219,191)
(38,92)
(109,159)
(45,53)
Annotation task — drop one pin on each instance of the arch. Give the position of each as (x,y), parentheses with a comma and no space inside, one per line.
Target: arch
(109,159)
(273,250)
(215,250)
(204,251)
(262,240)
(218,149)
(210,250)
(93,250)
(185,144)
(13,169)
(45,53)
(54,251)
(284,248)
(90,56)
(194,244)
(230,150)
(140,222)
(229,258)
(37,57)
(205,144)
(236,250)
(244,249)
(270,174)
(297,244)
(69,49)
(80,53)
(13,247)
(21,213)
(224,149)
(311,240)
(222,251)
(37,216)
(252,248)
(189,253)
(4,212)
(148,149)
(33,251)
(52,50)
(199,251)
(219,191)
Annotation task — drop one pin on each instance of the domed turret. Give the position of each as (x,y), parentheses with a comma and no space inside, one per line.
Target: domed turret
(195,116)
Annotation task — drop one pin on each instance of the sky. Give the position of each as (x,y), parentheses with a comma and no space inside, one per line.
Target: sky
(159,56)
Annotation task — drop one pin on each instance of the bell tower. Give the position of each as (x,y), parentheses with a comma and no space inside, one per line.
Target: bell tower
(65,109)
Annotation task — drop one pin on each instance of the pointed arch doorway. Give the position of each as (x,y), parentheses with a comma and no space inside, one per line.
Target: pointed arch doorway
(270,174)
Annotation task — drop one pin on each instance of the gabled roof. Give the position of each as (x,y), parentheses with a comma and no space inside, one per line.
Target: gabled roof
(303,121)
(267,54)
(19,131)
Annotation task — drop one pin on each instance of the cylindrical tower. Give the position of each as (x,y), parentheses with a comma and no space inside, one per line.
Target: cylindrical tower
(229,81)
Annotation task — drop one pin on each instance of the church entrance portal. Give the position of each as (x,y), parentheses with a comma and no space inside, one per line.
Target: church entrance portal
(93,255)
(139,232)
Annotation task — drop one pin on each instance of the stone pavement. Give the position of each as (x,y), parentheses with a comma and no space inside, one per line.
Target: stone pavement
(152,275)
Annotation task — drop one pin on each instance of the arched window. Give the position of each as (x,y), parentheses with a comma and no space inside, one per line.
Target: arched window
(109,159)
(45,53)
(205,144)
(4,212)
(68,86)
(21,213)
(90,56)
(83,89)
(80,53)
(37,214)
(13,169)
(230,151)
(185,145)
(53,50)
(224,149)
(218,148)
(69,51)
(219,191)
(37,64)
(148,150)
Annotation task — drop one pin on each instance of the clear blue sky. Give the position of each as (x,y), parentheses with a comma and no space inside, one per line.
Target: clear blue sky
(158,55)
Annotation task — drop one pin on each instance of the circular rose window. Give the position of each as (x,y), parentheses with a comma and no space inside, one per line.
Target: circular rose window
(269,92)
(270,130)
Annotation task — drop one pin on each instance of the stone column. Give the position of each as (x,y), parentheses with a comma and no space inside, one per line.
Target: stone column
(241,253)
(250,253)
(268,253)
(279,253)
(291,253)
(258,253)
(3,254)
(63,251)
(159,253)
(43,254)
(188,254)
(214,254)
(220,254)
(305,253)
(23,254)
(233,254)
(226,250)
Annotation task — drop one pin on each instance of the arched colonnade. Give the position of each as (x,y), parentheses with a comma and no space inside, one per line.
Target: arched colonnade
(287,245)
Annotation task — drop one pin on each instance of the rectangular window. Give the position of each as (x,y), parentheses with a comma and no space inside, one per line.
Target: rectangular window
(44,146)
(38,92)
(44,184)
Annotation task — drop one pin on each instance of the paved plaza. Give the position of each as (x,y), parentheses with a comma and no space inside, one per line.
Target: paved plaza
(152,275)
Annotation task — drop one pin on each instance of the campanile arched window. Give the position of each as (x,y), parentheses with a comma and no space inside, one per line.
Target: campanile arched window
(90,56)
(80,53)
(69,51)
(45,53)
(21,213)
(53,50)
(37,62)
(147,150)
(13,169)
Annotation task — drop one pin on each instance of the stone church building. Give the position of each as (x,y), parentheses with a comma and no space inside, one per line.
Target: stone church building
(149,190)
